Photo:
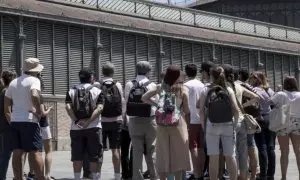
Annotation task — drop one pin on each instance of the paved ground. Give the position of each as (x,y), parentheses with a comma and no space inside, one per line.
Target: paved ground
(62,167)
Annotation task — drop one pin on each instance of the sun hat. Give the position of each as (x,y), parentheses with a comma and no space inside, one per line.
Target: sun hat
(32,65)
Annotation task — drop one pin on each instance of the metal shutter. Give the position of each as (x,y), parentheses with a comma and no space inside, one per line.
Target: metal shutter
(142,48)
(130,70)
(235,55)
(218,55)
(294,66)
(187,54)
(263,61)
(10,45)
(117,55)
(296,19)
(75,45)
(153,52)
(176,53)
(207,52)
(227,55)
(286,66)
(90,42)
(45,54)
(244,58)
(197,55)
(278,69)
(30,44)
(270,69)
(61,59)
(167,57)
(253,61)
(105,51)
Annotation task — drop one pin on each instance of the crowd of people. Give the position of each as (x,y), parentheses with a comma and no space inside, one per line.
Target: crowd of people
(219,123)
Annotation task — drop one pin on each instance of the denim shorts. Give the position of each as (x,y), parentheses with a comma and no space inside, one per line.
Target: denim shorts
(225,133)
(251,141)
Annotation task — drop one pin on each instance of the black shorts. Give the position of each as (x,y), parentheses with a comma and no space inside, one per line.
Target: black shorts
(27,136)
(112,131)
(86,140)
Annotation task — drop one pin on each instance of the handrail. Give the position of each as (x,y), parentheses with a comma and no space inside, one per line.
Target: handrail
(191,17)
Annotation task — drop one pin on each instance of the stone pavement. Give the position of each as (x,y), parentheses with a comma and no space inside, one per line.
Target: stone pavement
(62,167)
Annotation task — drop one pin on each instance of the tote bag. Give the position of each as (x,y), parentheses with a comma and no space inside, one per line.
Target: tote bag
(279,117)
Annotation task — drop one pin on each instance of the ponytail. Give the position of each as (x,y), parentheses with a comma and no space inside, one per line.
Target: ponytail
(218,76)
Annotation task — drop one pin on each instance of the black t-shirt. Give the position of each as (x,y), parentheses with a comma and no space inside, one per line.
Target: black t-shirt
(3,121)
(43,120)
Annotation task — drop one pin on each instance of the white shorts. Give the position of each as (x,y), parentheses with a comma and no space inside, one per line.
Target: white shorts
(46,133)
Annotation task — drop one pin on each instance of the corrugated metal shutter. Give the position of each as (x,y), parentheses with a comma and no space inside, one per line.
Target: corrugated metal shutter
(253,60)
(105,50)
(286,65)
(270,69)
(90,41)
(153,52)
(207,52)
(61,59)
(45,54)
(187,54)
(218,54)
(227,55)
(177,53)
(235,57)
(130,50)
(263,61)
(75,34)
(142,48)
(117,55)
(278,70)
(30,44)
(197,55)
(10,45)
(167,57)
(244,58)
(294,66)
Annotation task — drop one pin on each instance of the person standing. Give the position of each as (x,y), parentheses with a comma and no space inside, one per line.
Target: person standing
(142,125)
(112,115)
(196,130)
(22,109)
(84,104)
(5,129)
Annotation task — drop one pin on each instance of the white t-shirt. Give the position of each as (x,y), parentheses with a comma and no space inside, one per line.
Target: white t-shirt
(142,79)
(195,88)
(19,91)
(96,96)
(283,97)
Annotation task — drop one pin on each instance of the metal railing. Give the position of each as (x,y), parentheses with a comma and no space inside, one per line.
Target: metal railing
(185,16)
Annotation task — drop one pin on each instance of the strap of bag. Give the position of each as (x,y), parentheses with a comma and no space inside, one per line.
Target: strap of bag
(240,105)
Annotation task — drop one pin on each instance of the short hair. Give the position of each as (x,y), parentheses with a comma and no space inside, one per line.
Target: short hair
(191,70)
(244,74)
(143,67)
(85,75)
(290,84)
(108,69)
(207,66)
(7,76)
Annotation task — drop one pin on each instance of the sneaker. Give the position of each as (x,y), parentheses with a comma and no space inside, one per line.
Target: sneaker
(30,176)
(192,177)
(146,175)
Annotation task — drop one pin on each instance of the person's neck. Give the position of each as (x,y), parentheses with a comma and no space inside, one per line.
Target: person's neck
(191,78)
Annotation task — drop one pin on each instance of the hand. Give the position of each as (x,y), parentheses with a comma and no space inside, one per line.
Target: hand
(119,121)
(50,108)
(83,123)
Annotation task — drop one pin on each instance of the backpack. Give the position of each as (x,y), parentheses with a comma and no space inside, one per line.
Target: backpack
(83,103)
(112,99)
(219,105)
(168,112)
(135,105)
(253,110)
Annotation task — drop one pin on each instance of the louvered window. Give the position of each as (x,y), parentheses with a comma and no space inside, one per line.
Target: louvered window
(270,69)
(278,69)
(176,53)
(207,52)
(10,44)
(218,55)
(75,45)
(186,54)
(227,55)
(167,57)
(117,55)
(197,55)
(235,55)
(105,51)
(142,48)
(90,42)
(253,60)
(153,52)
(30,43)
(244,58)
(130,70)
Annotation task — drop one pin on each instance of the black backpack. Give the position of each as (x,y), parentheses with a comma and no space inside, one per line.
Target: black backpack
(253,110)
(112,99)
(219,105)
(83,103)
(135,106)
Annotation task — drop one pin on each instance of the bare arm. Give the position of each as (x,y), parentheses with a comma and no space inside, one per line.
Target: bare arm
(201,106)
(185,104)
(7,108)
(36,101)
(147,97)
(45,112)
(70,111)
(234,105)
(254,98)
(96,113)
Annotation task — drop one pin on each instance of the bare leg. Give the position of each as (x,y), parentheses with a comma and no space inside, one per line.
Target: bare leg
(232,167)
(116,159)
(48,158)
(195,154)
(178,175)
(221,166)
(213,167)
(18,163)
(253,160)
(296,145)
(38,166)
(284,158)
(162,176)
